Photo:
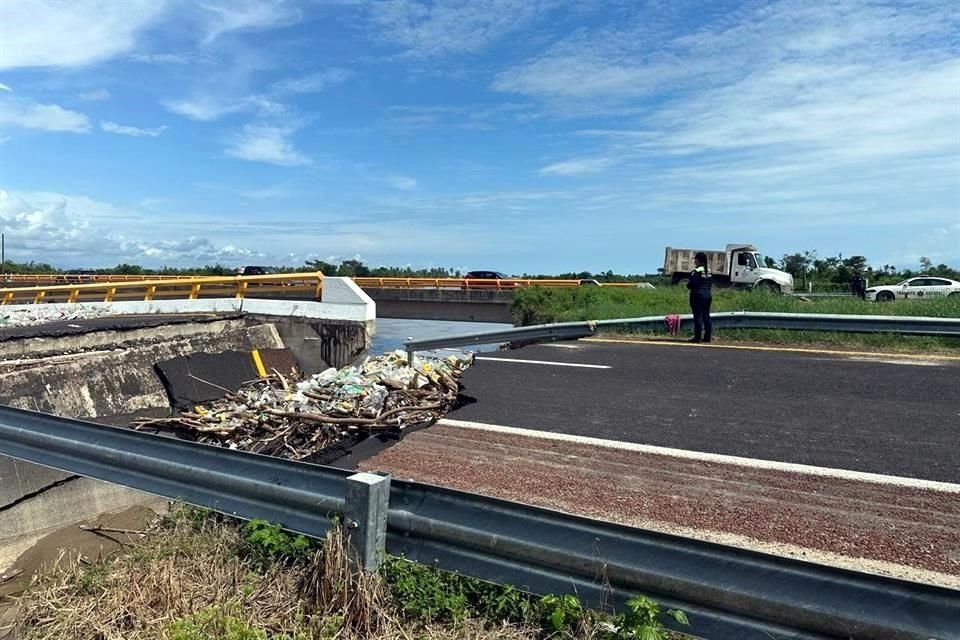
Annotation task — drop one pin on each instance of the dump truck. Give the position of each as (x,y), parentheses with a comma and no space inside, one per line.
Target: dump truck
(739,265)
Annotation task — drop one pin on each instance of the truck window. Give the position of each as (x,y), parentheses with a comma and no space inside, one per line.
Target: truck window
(746,260)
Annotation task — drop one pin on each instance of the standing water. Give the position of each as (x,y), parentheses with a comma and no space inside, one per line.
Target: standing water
(391,334)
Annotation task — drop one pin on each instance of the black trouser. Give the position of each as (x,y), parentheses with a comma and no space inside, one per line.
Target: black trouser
(700,302)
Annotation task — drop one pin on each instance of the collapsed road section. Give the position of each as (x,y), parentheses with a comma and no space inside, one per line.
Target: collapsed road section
(119,362)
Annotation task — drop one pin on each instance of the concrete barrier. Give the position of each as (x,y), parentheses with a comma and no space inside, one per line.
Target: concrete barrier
(468,305)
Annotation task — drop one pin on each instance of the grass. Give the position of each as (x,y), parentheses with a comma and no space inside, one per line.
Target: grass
(543,306)
(200,576)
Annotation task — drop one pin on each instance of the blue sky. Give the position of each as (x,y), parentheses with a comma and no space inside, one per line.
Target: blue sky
(517,135)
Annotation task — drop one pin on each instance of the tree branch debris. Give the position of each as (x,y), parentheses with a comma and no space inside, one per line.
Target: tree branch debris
(299,418)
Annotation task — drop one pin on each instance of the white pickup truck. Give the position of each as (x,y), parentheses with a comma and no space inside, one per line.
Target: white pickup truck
(739,265)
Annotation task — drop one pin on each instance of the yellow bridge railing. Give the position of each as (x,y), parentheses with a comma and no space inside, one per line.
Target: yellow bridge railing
(107,288)
(459,283)
(75,278)
(168,288)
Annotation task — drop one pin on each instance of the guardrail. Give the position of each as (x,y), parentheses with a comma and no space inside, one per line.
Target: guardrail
(906,325)
(727,592)
(368,282)
(110,288)
(189,288)
(461,283)
(83,278)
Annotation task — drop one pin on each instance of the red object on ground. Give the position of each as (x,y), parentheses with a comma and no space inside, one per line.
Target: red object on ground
(673,324)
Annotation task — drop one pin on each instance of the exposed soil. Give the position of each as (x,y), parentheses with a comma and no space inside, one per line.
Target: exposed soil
(65,544)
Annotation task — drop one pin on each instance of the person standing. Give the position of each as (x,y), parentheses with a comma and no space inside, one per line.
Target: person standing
(701,297)
(859,286)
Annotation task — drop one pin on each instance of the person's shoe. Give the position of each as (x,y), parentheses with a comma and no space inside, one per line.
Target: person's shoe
(706,340)
(695,340)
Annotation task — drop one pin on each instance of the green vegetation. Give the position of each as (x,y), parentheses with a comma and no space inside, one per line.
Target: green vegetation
(543,305)
(835,272)
(269,542)
(822,274)
(201,576)
(427,595)
(220,623)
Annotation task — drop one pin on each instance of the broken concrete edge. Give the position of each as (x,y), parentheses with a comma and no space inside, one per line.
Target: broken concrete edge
(120,382)
(87,336)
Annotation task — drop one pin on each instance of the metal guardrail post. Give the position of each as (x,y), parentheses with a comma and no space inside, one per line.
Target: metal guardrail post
(365,515)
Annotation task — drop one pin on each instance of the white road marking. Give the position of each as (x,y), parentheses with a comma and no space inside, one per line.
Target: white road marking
(561,345)
(913,363)
(555,364)
(772,465)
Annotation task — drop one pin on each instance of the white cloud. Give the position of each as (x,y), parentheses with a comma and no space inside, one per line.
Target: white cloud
(230,96)
(95,96)
(124,130)
(462,116)
(4,87)
(41,33)
(207,107)
(163,58)
(204,108)
(314,82)
(403,183)
(576,167)
(46,117)
(260,143)
(794,112)
(451,26)
(79,231)
(224,16)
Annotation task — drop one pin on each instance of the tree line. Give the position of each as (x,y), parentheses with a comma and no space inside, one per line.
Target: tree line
(807,268)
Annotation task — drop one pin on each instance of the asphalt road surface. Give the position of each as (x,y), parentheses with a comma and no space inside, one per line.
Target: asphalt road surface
(63,328)
(892,415)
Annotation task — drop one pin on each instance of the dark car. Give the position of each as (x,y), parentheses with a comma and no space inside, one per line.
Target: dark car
(255,271)
(488,279)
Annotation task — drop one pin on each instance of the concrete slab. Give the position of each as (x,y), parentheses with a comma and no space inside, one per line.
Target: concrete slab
(199,378)
(116,382)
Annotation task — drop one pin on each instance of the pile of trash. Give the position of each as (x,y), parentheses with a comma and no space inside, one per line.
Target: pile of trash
(295,419)
(36,314)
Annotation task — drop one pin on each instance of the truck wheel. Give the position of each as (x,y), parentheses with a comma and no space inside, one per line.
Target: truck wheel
(885,296)
(768,286)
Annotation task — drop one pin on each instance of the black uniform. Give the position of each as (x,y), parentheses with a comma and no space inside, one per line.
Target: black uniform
(858,287)
(701,297)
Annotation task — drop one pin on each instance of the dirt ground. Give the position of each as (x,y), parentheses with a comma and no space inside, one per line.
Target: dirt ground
(69,543)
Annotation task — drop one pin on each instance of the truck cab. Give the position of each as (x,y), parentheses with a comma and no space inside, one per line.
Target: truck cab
(747,269)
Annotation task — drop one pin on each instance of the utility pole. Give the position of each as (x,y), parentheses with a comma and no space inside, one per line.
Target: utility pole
(3,254)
